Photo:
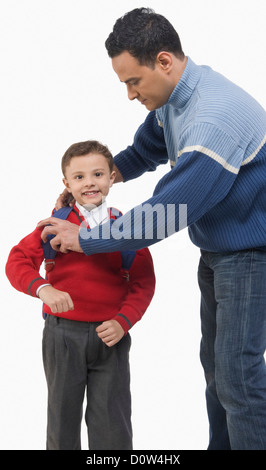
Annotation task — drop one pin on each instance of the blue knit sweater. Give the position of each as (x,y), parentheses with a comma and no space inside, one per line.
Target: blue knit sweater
(214,135)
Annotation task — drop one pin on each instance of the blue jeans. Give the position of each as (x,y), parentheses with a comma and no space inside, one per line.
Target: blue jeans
(233,318)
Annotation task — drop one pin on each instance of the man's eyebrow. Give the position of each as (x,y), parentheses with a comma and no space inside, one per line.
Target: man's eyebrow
(130,79)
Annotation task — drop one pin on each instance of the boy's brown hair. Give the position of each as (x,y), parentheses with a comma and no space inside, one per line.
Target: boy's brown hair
(84,148)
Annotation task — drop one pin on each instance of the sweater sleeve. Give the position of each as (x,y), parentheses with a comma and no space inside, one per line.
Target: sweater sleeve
(23,264)
(147,152)
(201,178)
(141,286)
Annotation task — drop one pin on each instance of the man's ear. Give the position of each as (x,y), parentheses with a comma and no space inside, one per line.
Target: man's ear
(165,60)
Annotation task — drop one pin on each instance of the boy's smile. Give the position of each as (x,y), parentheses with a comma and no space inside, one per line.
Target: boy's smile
(89,179)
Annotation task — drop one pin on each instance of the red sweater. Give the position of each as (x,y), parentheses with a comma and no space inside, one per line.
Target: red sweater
(96,283)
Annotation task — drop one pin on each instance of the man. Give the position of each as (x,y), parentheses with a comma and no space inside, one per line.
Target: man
(214,135)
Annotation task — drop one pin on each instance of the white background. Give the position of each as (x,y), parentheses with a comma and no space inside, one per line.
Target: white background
(58,87)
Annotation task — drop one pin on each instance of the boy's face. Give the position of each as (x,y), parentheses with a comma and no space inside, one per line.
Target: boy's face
(89,179)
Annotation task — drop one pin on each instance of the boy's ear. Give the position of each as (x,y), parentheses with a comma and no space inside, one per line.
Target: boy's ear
(112,178)
(66,184)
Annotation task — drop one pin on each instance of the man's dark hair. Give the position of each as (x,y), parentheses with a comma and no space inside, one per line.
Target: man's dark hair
(84,148)
(143,33)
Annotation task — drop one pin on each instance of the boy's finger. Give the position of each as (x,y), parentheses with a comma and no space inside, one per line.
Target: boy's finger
(102,327)
(71,304)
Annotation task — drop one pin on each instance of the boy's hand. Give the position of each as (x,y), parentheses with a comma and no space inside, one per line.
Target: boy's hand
(57,300)
(110,332)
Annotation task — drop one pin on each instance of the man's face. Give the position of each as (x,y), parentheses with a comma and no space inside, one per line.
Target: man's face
(150,86)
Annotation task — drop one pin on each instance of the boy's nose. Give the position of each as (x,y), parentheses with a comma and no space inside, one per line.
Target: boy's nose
(89,182)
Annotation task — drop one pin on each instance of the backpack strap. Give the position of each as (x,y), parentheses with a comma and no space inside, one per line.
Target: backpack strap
(48,251)
(128,256)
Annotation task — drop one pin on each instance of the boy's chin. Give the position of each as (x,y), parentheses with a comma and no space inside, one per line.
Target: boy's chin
(89,205)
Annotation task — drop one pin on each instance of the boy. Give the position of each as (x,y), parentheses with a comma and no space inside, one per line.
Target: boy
(90,303)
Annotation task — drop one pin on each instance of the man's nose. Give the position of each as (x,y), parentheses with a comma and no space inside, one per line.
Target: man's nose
(131,93)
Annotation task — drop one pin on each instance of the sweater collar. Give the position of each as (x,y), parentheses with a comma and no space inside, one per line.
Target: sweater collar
(186,85)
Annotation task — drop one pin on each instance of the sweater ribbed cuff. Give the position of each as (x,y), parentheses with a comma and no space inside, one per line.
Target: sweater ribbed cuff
(123,321)
(34,286)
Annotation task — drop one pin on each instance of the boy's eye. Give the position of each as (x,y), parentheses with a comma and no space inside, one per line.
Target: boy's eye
(98,173)
(78,177)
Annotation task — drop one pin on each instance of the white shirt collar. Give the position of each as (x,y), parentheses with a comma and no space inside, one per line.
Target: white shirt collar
(96,216)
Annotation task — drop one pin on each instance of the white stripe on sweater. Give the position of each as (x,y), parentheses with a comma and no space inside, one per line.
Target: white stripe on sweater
(211,154)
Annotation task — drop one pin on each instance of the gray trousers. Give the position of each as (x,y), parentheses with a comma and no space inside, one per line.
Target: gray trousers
(76,360)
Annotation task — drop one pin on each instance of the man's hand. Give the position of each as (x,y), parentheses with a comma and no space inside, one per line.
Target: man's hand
(57,300)
(64,199)
(118,176)
(110,332)
(66,234)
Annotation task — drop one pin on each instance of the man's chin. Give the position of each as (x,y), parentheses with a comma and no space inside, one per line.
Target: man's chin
(150,106)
